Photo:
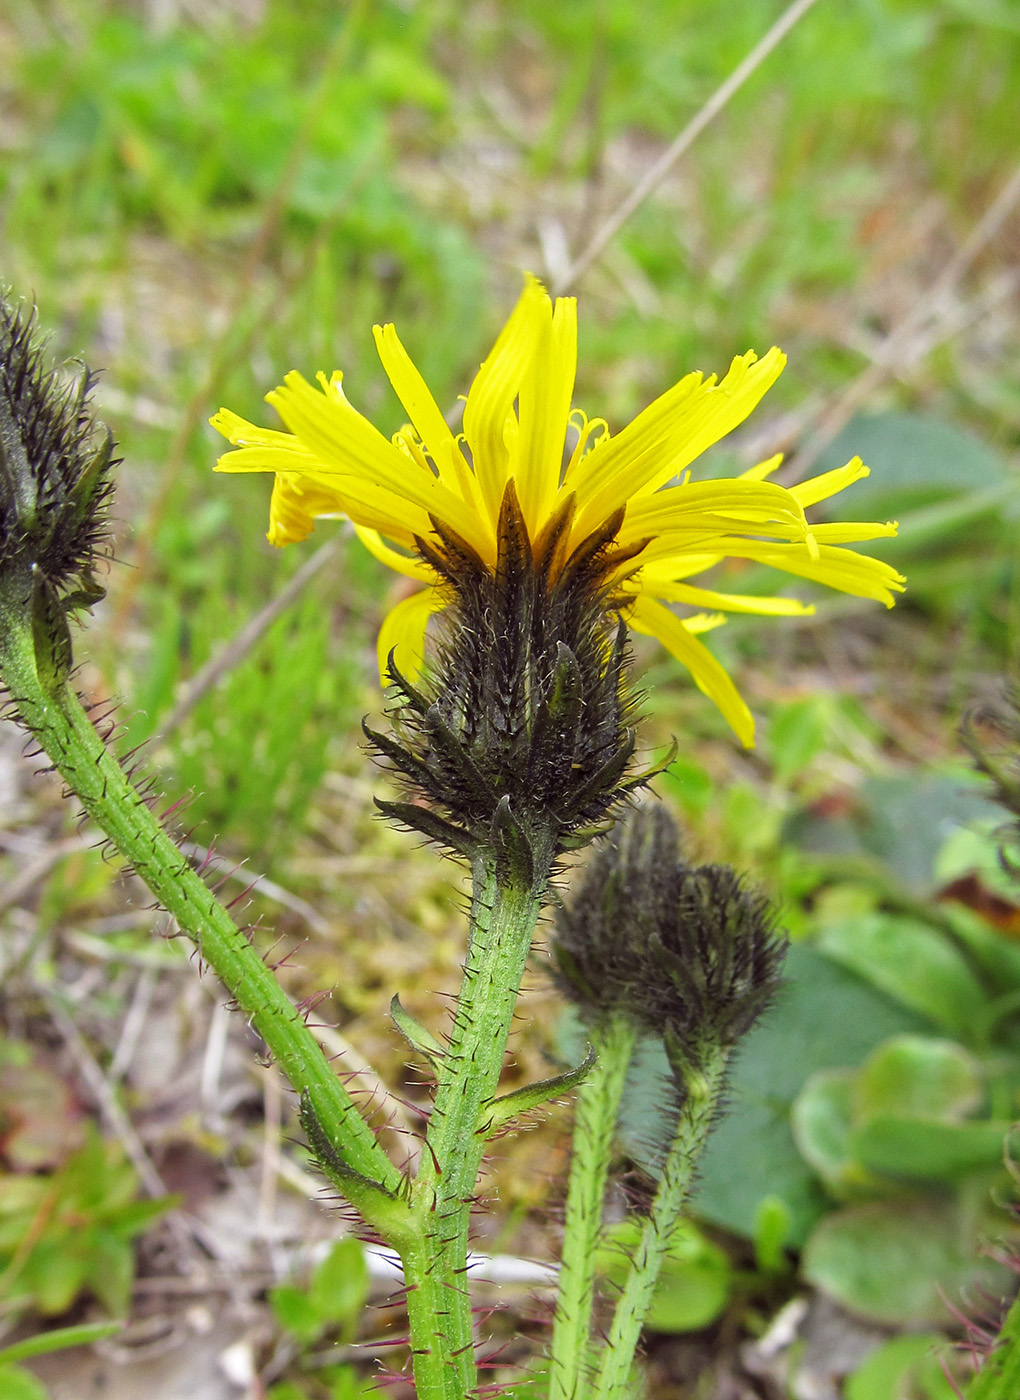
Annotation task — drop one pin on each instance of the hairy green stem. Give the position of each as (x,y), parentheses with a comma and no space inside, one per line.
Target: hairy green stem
(503,918)
(594,1123)
(427,1222)
(999,1377)
(696,1117)
(55,718)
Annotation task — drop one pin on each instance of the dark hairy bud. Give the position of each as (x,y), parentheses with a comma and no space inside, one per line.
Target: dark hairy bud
(688,953)
(55,462)
(519,734)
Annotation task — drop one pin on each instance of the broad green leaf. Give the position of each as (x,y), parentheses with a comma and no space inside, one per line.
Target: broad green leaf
(295,1311)
(345,1383)
(18,1384)
(897,1261)
(823,1128)
(340,1284)
(55,1272)
(797,733)
(111,1271)
(915,461)
(286,1390)
(918,1076)
(688,784)
(771,1231)
(903,1368)
(928,1150)
(898,824)
(912,962)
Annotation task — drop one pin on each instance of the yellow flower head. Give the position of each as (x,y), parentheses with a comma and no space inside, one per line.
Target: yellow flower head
(569,473)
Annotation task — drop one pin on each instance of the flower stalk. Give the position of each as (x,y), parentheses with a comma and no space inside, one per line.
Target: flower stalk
(56,719)
(504,912)
(598,1103)
(700,1108)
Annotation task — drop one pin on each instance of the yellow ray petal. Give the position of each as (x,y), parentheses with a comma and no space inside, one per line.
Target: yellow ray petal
(421,407)
(347,443)
(676,592)
(669,434)
(403,633)
(294,507)
(409,566)
(668,570)
(842,569)
(647,615)
(244,434)
(635,451)
(544,407)
(703,622)
(495,387)
(296,460)
(820,488)
(375,508)
(757,506)
(854,531)
(764,469)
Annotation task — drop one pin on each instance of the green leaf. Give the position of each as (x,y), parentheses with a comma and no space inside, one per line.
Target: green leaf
(918,1076)
(111,1271)
(339,1285)
(688,784)
(18,1384)
(797,733)
(295,1311)
(912,962)
(928,1150)
(897,1261)
(58,1339)
(915,461)
(419,1037)
(56,1271)
(509,1106)
(903,1368)
(823,1129)
(824,1018)
(345,1383)
(51,636)
(898,824)
(286,1390)
(771,1231)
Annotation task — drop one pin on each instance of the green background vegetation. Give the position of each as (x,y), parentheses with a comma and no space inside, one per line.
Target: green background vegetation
(201,198)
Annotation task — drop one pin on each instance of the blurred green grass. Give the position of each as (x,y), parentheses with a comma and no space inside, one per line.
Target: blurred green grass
(201,201)
(202,198)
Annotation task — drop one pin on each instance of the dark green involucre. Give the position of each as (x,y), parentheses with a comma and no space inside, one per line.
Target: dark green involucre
(519,735)
(55,463)
(687,953)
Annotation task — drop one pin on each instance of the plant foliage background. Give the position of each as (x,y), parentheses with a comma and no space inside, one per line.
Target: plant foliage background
(201,197)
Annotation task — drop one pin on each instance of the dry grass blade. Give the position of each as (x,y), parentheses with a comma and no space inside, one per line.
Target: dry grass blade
(917,333)
(243,641)
(658,171)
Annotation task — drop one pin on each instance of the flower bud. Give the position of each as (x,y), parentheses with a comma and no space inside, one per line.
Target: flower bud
(55,462)
(519,735)
(688,953)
